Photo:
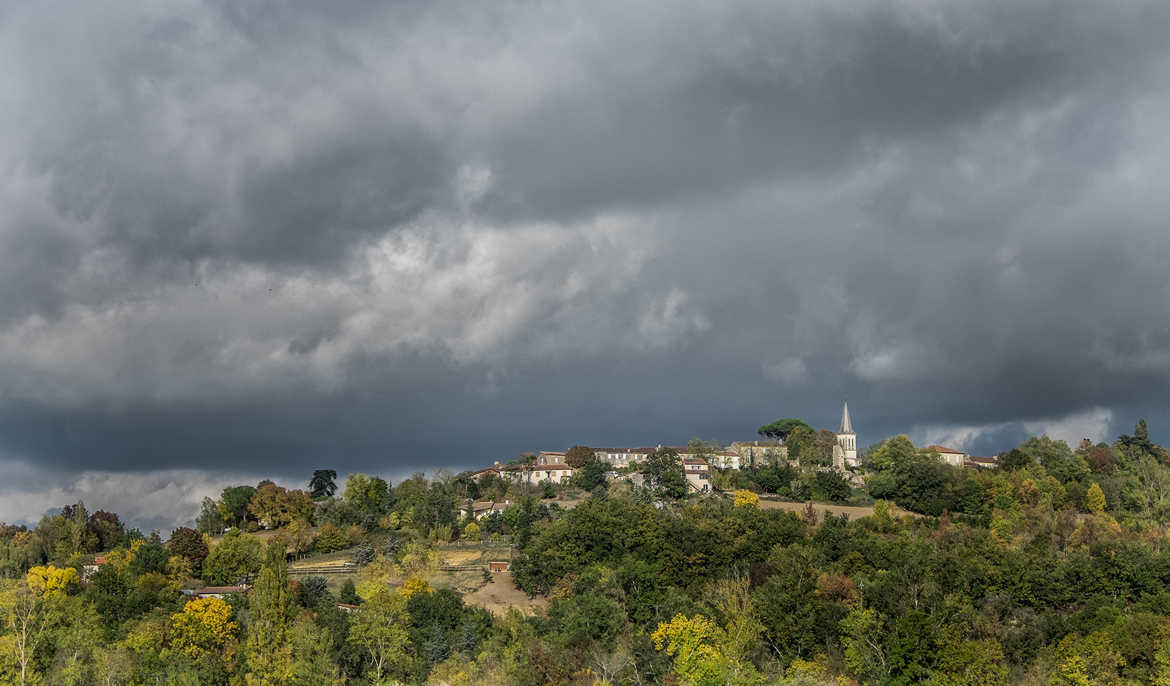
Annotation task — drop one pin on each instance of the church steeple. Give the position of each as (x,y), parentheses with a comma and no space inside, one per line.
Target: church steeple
(846,441)
(846,425)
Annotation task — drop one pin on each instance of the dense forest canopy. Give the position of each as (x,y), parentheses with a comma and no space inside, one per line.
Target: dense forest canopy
(1051,568)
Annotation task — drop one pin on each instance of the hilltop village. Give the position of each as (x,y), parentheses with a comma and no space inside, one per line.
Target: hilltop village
(699,458)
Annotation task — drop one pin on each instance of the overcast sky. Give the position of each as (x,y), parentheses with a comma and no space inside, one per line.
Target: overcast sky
(253,239)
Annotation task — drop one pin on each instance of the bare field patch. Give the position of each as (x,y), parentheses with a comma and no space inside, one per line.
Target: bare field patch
(854,511)
(461,557)
(500,594)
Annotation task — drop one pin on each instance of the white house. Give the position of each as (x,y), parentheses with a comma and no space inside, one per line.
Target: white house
(622,457)
(953,457)
(697,472)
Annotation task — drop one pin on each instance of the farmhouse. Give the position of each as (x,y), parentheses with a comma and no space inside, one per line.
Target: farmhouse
(696,471)
(948,455)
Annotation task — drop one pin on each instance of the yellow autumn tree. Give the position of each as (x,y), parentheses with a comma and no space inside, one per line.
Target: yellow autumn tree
(745,498)
(471,532)
(414,585)
(50,582)
(204,627)
(1095,499)
(698,647)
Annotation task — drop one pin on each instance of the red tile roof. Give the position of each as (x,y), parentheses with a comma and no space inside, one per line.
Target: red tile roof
(640,451)
(944,449)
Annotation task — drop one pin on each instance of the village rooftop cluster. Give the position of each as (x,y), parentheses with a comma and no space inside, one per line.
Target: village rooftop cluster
(551,466)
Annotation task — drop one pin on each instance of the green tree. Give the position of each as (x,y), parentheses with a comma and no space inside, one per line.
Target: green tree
(233,504)
(378,631)
(1139,443)
(313,660)
(968,663)
(108,528)
(210,519)
(237,556)
(865,656)
(663,472)
(577,456)
(348,593)
(587,618)
(592,474)
(369,496)
(322,484)
(802,447)
(891,452)
(1014,460)
(26,625)
(1147,490)
(269,647)
(782,428)
(148,558)
(1060,461)
(831,485)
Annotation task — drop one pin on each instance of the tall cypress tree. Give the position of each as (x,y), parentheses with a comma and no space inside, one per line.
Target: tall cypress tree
(269,649)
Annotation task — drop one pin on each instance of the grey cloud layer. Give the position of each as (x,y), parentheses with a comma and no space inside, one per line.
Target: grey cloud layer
(436,233)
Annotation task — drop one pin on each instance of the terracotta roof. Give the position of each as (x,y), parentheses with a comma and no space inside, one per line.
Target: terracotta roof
(694,460)
(550,467)
(481,505)
(638,451)
(348,606)
(944,449)
(985,460)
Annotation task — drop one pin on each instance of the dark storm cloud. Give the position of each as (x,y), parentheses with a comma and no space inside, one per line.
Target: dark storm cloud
(265,236)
